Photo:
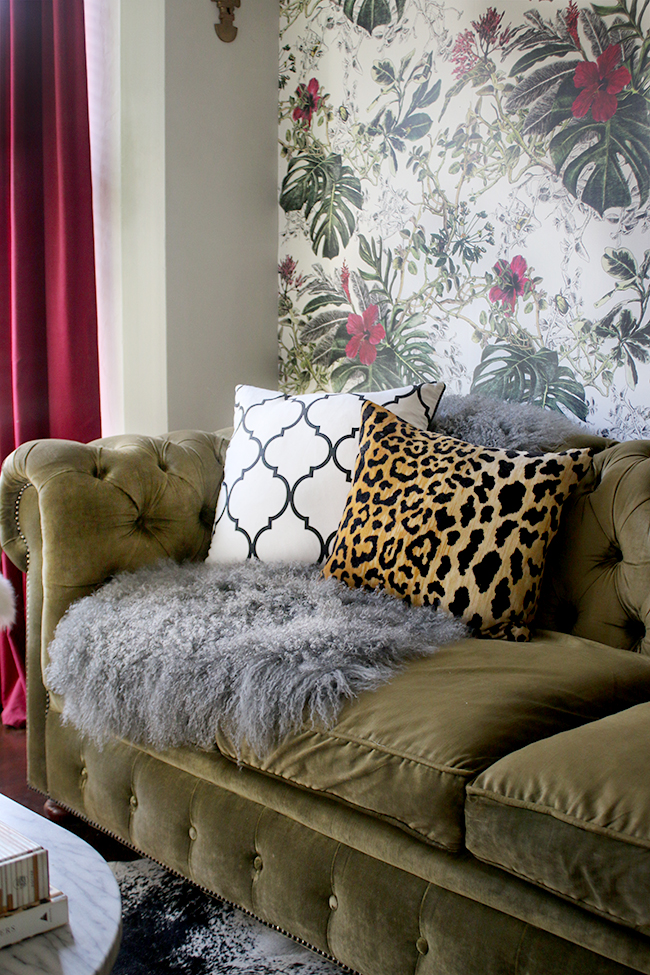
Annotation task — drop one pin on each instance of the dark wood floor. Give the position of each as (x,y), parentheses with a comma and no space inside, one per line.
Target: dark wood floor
(13,783)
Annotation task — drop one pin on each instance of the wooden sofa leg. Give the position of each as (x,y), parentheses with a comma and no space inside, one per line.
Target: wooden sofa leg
(55,812)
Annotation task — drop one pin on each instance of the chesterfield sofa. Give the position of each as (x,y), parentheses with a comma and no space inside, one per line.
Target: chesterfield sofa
(486,812)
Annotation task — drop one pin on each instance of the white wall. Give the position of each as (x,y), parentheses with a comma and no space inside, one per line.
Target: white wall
(143,217)
(183,132)
(102,21)
(221,182)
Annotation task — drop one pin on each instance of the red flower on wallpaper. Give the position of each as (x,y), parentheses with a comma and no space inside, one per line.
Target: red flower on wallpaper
(287,269)
(470,45)
(487,26)
(345,279)
(308,101)
(571,20)
(601,80)
(512,281)
(366,333)
(464,53)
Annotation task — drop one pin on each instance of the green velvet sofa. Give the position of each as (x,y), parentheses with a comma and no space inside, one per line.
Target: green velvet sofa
(487,812)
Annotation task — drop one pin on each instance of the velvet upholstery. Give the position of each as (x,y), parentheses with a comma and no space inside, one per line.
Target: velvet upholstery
(596,578)
(108,490)
(210,820)
(356,886)
(407,750)
(583,796)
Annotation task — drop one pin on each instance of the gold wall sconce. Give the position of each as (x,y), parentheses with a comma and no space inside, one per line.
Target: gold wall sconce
(226,31)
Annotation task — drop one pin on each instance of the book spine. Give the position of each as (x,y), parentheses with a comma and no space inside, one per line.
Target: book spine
(23,881)
(34,920)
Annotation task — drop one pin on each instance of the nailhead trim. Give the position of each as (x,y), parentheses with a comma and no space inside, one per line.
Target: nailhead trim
(206,890)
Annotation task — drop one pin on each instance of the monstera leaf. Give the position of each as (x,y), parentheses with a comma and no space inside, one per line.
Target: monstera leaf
(410,344)
(622,140)
(385,372)
(324,186)
(372,13)
(405,356)
(351,376)
(526,376)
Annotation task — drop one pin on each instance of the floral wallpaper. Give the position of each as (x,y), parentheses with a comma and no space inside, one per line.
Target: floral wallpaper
(465,196)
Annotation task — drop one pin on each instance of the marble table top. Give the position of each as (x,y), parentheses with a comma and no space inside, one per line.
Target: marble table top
(88,945)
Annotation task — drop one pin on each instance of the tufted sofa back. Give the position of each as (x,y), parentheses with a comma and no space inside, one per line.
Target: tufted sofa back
(122,502)
(597,574)
(75,514)
(109,506)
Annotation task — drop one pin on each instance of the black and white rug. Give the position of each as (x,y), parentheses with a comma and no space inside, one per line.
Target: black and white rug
(172,927)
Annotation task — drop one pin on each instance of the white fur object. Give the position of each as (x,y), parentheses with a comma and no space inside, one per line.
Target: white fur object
(168,655)
(7,604)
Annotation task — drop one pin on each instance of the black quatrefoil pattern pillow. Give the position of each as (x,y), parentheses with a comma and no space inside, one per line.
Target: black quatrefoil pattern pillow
(289,468)
(460,527)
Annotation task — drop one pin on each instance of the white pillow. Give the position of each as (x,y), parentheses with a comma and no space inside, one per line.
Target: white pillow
(289,468)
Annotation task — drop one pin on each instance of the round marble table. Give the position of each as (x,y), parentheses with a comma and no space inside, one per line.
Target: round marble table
(88,945)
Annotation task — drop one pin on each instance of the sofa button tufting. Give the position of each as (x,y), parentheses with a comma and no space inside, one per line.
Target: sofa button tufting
(422,945)
(133,802)
(257,862)
(83,774)
(193,833)
(334,902)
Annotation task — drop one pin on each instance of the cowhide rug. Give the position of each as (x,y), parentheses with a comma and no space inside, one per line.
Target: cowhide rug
(171,927)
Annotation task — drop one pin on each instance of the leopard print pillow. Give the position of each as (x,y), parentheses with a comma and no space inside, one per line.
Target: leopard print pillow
(463,528)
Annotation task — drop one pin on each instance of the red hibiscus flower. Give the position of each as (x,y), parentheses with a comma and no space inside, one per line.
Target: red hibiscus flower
(512,281)
(602,80)
(366,333)
(308,101)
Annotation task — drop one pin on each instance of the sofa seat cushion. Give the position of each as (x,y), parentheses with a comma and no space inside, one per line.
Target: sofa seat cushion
(571,813)
(405,751)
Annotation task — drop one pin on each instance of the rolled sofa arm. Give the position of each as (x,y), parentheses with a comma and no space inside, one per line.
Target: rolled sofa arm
(72,515)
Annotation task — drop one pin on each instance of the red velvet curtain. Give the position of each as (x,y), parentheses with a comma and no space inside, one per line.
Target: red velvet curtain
(49,373)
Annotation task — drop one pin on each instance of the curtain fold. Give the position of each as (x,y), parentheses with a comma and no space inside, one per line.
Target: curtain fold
(49,373)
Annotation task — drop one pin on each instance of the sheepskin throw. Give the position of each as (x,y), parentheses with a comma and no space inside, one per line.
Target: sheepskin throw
(167,655)
(496,423)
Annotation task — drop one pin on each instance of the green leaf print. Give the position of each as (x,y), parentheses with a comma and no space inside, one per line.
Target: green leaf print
(528,376)
(324,186)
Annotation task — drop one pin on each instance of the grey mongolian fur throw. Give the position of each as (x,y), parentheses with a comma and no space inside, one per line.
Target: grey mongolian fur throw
(495,423)
(170,654)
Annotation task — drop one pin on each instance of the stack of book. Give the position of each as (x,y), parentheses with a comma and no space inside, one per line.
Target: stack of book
(28,905)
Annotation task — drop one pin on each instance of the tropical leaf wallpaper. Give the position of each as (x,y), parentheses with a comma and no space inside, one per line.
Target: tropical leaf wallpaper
(465,196)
